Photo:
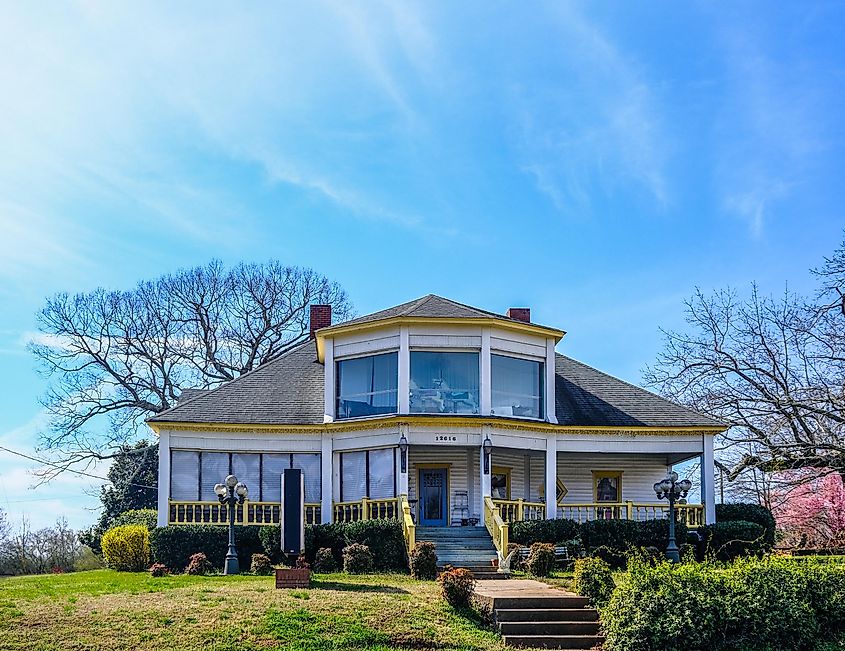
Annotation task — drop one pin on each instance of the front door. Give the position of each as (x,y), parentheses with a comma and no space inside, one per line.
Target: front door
(433,493)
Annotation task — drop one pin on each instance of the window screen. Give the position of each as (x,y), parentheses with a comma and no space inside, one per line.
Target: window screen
(184,475)
(310,466)
(381,474)
(271,479)
(215,467)
(246,468)
(353,476)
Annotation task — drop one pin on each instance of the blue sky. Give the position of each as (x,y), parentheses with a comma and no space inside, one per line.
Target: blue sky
(593,161)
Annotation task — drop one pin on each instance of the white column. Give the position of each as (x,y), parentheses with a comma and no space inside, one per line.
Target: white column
(329,375)
(404,368)
(327,478)
(163,478)
(485,382)
(402,484)
(708,480)
(551,477)
(486,487)
(551,411)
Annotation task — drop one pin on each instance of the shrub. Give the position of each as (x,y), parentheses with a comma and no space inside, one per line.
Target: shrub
(261,565)
(357,559)
(541,560)
(198,565)
(383,537)
(158,570)
(174,545)
(457,586)
(528,532)
(302,563)
(127,548)
(324,561)
(749,512)
(613,557)
(733,539)
(423,561)
(145,517)
(319,536)
(621,536)
(594,580)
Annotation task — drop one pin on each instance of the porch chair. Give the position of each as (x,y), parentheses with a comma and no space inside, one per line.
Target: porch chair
(460,509)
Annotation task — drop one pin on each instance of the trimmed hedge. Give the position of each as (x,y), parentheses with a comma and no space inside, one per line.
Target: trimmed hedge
(749,512)
(528,532)
(754,605)
(733,539)
(623,535)
(174,545)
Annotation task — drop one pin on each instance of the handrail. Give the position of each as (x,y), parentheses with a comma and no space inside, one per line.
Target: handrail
(408,526)
(367,509)
(497,527)
(520,509)
(248,513)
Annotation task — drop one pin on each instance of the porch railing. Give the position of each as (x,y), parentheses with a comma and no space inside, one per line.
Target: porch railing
(497,527)
(691,515)
(252,513)
(518,510)
(367,509)
(408,526)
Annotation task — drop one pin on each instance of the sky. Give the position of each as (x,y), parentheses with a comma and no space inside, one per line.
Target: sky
(592,161)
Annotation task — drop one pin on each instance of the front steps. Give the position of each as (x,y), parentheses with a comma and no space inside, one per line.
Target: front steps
(465,547)
(531,614)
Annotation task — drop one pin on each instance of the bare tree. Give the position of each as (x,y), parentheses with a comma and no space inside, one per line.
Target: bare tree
(774,369)
(118,357)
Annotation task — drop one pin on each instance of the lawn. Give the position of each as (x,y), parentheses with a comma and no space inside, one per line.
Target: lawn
(103,609)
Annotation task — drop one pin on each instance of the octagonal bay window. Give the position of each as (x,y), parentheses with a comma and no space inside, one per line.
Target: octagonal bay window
(444,383)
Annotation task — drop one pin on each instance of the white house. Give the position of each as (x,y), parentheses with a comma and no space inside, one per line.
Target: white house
(437,413)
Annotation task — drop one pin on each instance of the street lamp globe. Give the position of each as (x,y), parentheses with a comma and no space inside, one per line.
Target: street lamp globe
(231,481)
(241,490)
(219,490)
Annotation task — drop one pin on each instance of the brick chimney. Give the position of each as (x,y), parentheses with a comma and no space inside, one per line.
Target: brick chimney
(520,314)
(321,317)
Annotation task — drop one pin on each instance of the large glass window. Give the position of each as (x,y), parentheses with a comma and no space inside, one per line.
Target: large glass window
(444,383)
(366,386)
(368,473)
(184,475)
(517,387)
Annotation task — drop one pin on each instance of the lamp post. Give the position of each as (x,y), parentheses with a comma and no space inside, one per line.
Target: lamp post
(672,489)
(487,446)
(403,453)
(230,493)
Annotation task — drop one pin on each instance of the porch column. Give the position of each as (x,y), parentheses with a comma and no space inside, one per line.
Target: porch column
(486,486)
(708,480)
(551,477)
(163,478)
(326,477)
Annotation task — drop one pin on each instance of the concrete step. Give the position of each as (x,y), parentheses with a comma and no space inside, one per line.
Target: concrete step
(567,601)
(549,628)
(547,615)
(554,641)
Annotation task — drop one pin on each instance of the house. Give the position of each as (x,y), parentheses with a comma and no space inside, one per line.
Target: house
(436,413)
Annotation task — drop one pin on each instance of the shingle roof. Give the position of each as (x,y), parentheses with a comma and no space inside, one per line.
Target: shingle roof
(586,396)
(289,390)
(430,306)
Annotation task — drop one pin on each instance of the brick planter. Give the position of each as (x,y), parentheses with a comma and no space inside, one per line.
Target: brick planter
(293,577)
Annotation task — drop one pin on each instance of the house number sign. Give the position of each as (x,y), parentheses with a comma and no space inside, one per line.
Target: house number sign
(445,438)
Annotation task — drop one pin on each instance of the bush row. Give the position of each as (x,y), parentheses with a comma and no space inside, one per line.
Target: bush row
(174,545)
(754,605)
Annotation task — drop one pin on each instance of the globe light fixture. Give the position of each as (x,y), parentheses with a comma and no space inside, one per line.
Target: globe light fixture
(672,489)
(403,453)
(231,493)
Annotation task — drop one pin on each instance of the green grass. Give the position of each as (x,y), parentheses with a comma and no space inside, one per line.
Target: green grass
(108,610)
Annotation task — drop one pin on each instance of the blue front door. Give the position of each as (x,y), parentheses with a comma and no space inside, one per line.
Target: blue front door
(433,492)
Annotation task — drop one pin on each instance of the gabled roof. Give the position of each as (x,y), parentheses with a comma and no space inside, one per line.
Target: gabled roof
(289,391)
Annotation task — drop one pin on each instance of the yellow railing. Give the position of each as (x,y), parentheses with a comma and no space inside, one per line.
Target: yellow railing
(367,509)
(690,514)
(408,526)
(497,527)
(518,510)
(249,512)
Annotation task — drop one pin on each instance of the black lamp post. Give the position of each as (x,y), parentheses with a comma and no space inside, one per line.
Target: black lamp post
(487,446)
(672,489)
(403,453)
(230,493)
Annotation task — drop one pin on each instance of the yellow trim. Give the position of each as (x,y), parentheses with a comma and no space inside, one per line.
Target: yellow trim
(517,326)
(411,419)
(502,470)
(610,474)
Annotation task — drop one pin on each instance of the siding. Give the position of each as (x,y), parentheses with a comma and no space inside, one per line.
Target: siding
(460,471)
